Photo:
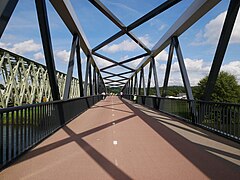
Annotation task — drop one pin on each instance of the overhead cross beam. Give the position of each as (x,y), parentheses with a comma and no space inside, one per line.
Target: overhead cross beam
(112,61)
(126,61)
(191,15)
(118,23)
(126,30)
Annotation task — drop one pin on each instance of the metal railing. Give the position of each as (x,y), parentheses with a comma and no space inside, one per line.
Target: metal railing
(221,118)
(23,127)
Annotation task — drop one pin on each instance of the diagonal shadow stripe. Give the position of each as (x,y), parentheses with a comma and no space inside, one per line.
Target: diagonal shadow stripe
(36,152)
(103,162)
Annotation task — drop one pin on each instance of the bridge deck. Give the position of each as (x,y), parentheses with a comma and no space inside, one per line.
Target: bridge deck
(120,140)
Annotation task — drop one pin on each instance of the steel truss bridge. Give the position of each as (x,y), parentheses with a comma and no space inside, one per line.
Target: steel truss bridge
(27,82)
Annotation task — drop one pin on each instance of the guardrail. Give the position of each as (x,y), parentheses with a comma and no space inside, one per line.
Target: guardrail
(221,118)
(23,127)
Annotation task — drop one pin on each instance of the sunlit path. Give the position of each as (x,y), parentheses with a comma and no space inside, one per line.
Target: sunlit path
(116,140)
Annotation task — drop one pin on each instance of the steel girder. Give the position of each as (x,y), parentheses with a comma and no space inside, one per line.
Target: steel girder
(222,47)
(26,82)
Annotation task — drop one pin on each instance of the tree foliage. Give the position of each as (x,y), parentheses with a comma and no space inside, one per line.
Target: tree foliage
(226,88)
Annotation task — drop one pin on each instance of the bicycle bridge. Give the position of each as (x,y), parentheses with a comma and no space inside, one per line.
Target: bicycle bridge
(56,126)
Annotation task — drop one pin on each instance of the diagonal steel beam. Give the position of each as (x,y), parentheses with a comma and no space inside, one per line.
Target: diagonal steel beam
(126,61)
(70,68)
(191,15)
(161,8)
(66,11)
(114,74)
(101,7)
(112,61)
(222,47)
(168,68)
(47,46)
(6,9)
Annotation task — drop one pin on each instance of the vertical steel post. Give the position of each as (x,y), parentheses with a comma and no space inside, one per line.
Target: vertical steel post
(140,82)
(94,81)
(221,48)
(90,79)
(143,80)
(86,76)
(47,46)
(131,86)
(6,9)
(136,85)
(149,78)
(155,77)
(70,68)
(168,68)
(79,68)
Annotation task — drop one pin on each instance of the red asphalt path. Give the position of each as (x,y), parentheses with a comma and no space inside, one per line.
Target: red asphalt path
(116,140)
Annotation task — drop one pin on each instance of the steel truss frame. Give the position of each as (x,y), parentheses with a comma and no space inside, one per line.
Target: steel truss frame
(94,82)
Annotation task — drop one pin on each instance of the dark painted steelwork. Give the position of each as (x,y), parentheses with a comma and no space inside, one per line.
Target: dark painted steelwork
(34,123)
(90,79)
(183,69)
(161,8)
(118,75)
(6,9)
(222,47)
(135,88)
(135,24)
(112,61)
(168,68)
(126,61)
(140,82)
(70,67)
(47,46)
(79,68)
(155,77)
(118,23)
(87,75)
(149,78)
(109,40)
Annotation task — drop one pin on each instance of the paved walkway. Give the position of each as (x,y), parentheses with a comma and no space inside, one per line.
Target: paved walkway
(119,140)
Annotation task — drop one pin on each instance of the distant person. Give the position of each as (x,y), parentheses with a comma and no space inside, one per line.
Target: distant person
(103,94)
(121,94)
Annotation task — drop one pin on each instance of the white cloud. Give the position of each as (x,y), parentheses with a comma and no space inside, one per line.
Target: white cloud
(38,56)
(22,47)
(101,63)
(126,45)
(162,56)
(25,46)
(211,32)
(62,55)
(233,68)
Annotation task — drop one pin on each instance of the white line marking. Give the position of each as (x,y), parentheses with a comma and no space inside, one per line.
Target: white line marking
(116,163)
(115,142)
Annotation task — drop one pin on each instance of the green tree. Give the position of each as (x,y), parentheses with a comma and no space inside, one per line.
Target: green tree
(226,88)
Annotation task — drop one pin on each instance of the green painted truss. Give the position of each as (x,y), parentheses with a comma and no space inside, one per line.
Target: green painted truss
(23,81)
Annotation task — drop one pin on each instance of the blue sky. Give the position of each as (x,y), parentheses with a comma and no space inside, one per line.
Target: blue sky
(198,43)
